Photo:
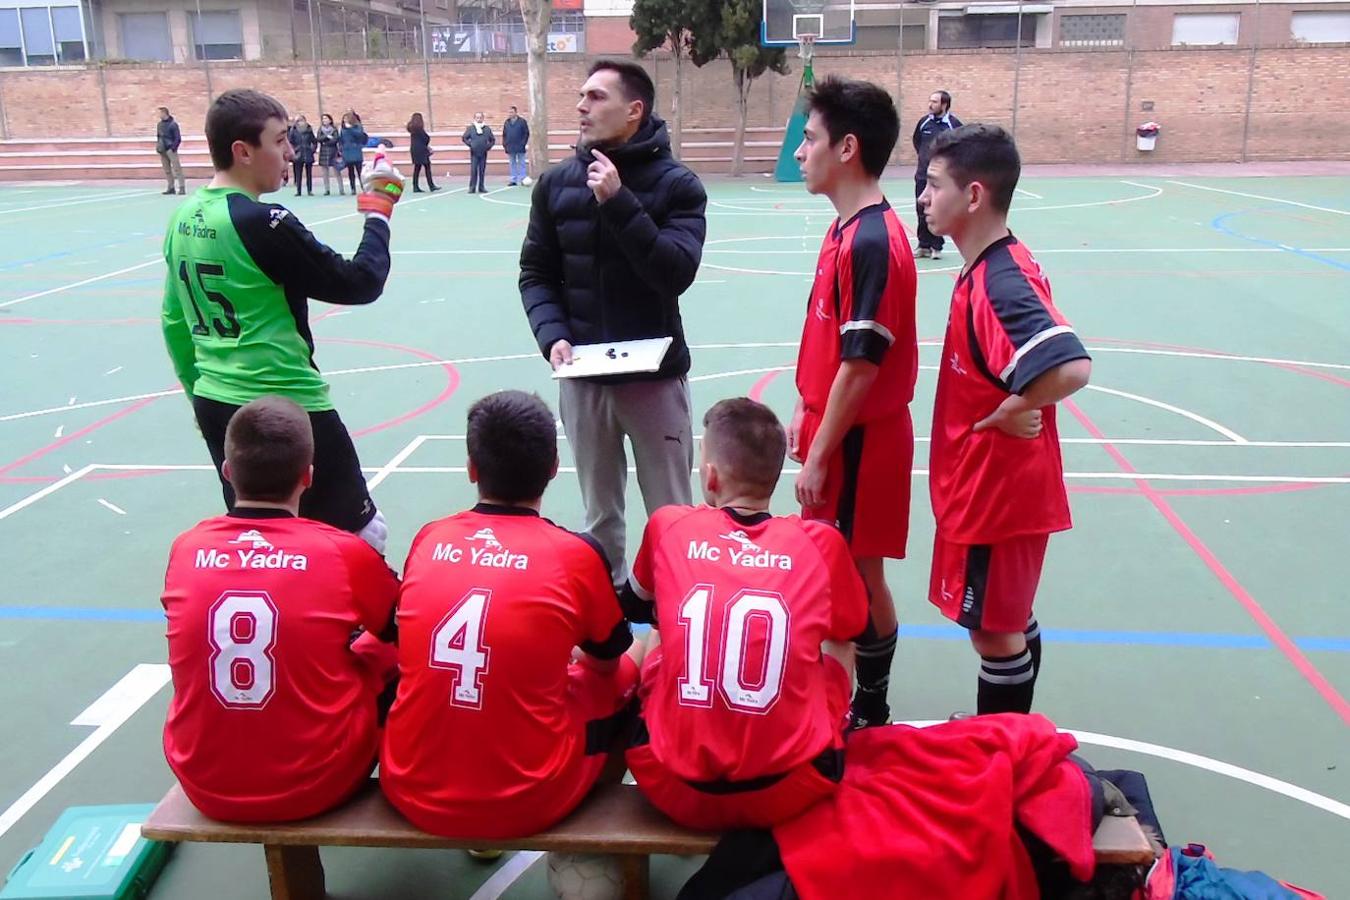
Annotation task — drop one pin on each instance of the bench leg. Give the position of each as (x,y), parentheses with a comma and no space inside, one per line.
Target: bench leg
(636,877)
(295,873)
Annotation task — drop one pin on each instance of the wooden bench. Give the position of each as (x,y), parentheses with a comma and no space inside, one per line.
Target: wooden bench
(615,819)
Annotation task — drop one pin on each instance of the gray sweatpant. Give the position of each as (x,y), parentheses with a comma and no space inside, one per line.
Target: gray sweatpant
(656,418)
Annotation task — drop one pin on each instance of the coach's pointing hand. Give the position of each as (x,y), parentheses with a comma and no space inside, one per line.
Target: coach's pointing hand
(602,177)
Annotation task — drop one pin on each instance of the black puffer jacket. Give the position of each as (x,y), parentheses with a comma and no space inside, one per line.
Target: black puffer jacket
(614,272)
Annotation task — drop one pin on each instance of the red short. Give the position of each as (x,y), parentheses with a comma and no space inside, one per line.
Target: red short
(867,484)
(764,807)
(989,587)
(593,697)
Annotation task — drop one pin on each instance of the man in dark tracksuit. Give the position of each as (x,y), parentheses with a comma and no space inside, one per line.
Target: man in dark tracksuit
(615,237)
(167,140)
(479,139)
(938,120)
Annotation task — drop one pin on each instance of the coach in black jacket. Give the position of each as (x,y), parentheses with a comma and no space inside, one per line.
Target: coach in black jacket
(616,234)
(938,120)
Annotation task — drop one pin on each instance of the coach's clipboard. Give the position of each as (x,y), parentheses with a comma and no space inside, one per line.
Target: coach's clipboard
(616,358)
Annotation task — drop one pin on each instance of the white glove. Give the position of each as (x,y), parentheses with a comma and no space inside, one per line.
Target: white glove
(378,172)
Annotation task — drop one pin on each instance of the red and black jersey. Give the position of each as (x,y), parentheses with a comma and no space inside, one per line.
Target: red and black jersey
(1003,332)
(862,307)
(273,716)
(481,739)
(743,604)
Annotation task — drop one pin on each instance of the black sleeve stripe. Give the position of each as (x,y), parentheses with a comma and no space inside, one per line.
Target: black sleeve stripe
(1048,354)
(1019,308)
(870,255)
(864,343)
(594,545)
(612,647)
(637,608)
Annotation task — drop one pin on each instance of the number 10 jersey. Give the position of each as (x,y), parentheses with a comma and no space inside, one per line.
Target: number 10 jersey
(743,604)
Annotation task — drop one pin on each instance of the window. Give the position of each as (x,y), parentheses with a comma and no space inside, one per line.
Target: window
(146,36)
(1204,29)
(217,35)
(1321,27)
(69,34)
(1092,31)
(11,45)
(37,36)
(989,30)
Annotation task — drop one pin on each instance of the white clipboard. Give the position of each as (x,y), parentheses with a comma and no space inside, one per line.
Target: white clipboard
(616,358)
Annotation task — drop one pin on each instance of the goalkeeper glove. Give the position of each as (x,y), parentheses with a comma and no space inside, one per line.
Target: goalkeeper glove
(383,186)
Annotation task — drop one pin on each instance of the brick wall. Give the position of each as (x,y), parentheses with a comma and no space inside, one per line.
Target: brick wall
(1072,105)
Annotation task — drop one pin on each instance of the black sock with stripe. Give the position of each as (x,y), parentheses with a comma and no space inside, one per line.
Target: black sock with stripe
(1006,684)
(874,656)
(1033,634)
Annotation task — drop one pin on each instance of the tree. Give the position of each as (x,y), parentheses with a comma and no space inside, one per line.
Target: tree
(666,23)
(731,28)
(537,14)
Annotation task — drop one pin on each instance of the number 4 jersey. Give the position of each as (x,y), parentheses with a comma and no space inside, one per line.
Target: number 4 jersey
(236,314)
(743,604)
(273,716)
(488,736)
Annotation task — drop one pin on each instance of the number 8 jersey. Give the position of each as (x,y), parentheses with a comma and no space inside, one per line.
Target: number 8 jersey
(743,603)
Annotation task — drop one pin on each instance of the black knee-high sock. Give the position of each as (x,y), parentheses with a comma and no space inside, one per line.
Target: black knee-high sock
(875,653)
(1006,684)
(1033,634)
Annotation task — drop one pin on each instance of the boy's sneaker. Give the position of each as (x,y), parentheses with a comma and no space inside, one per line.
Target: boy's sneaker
(937,254)
(923,253)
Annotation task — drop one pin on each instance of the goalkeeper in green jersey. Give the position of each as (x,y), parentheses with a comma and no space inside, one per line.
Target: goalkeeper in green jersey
(236,316)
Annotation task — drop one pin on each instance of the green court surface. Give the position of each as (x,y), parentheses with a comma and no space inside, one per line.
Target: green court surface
(1197,618)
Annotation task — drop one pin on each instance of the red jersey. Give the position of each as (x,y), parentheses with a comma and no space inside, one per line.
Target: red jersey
(743,604)
(862,307)
(1003,332)
(481,741)
(273,716)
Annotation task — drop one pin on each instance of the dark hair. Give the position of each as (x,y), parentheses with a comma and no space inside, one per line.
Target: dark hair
(238,115)
(637,84)
(415,123)
(861,109)
(513,442)
(165,110)
(747,440)
(269,445)
(983,153)
(946,99)
(513,109)
(327,116)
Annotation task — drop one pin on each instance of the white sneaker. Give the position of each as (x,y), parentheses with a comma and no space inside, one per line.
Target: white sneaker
(937,254)
(923,253)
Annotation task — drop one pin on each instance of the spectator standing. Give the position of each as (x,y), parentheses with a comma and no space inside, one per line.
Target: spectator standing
(330,155)
(167,139)
(479,139)
(303,142)
(419,148)
(515,139)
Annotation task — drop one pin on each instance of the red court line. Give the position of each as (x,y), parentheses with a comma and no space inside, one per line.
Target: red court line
(451,383)
(76,435)
(1254,609)
(757,389)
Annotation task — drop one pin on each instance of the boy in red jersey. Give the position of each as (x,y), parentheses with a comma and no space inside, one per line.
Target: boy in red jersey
(514,679)
(996,474)
(273,714)
(858,362)
(745,694)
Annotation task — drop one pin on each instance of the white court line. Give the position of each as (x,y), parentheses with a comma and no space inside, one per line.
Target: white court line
(1194,417)
(1028,193)
(1186,758)
(71,407)
(107,714)
(117,509)
(125,195)
(1097,442)
(1201,187)
(394,462)
(713,375)
(49,489)
(66,287)
(506,875)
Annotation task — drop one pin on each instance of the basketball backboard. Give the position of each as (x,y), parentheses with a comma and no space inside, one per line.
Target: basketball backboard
(786,21)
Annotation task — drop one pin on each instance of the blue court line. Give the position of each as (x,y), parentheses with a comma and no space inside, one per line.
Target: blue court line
(921,632)
(1220,224)
(61,254)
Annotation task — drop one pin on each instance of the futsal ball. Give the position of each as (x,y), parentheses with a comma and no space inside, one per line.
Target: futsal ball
(580,876)
(527,181)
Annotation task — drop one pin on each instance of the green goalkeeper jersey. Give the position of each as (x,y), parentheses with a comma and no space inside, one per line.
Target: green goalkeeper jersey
(236,297)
